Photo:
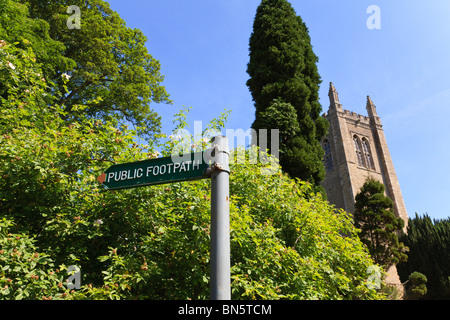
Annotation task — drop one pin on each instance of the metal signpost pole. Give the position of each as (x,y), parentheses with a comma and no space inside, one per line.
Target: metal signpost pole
(220,221)
(190,167)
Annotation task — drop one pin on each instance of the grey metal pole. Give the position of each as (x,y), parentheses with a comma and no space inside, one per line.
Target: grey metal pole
(220,221)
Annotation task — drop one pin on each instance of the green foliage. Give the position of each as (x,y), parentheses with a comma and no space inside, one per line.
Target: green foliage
(26,273)
(429,253)
(16,26)
(289,243)
(289,247)
(107,61)
(374,215)
(417,286)
(284,83)
(150,242)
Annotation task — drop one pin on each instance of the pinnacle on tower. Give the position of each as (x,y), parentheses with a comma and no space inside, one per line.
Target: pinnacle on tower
(371,109)
(334,97)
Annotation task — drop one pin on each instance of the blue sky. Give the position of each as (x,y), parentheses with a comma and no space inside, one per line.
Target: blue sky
(404,67)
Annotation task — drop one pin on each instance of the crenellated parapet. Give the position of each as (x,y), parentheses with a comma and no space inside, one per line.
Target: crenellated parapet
(351,117)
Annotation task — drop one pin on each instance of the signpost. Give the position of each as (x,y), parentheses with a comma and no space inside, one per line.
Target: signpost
(155,171)
(191,166)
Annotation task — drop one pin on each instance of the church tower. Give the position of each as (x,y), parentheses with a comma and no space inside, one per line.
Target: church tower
(355,149)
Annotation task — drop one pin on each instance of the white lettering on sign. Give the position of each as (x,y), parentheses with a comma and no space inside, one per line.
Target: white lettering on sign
(138,173)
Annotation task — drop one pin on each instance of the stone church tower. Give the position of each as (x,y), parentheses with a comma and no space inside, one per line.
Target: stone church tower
(356,148)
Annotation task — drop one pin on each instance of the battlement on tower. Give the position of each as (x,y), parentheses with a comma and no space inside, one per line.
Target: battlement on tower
(348,115)
(351,115)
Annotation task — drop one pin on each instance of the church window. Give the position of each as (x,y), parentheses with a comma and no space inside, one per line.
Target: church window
(359,153)
(328,157)
(367,154)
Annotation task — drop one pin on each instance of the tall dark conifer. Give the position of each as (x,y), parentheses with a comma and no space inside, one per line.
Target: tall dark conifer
(284,83)
(429,253)
(374,216)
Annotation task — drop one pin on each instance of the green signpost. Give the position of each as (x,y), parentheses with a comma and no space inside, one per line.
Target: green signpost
(213,164)
(155,171)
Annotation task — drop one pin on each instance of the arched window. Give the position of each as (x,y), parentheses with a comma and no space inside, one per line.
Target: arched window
(359,153)
(328,158)
(367,154)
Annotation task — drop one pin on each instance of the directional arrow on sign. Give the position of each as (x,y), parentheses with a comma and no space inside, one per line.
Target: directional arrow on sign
(190,166)
(102,178)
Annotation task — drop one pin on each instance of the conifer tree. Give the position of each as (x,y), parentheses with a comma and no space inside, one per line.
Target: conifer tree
(284,83)
(374,216)
(417,286)
(428,241)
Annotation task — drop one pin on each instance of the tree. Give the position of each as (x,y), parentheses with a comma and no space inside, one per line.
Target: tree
(428,241)
(375,217)
(417,286)
(150,242)
(17,27)
(284,77)
(110,69)
(26,273)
